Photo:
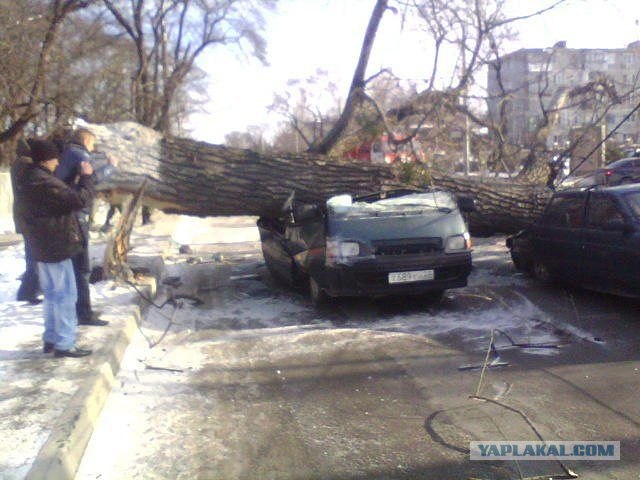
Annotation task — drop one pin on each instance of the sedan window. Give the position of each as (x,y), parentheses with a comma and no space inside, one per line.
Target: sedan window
(565,211)
(602,210)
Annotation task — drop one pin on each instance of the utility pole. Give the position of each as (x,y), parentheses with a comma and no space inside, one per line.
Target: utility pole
(467,144)
(466,150)
(603,147)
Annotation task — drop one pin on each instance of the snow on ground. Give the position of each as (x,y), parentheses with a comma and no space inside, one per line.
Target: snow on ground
(253,304)
(22,367)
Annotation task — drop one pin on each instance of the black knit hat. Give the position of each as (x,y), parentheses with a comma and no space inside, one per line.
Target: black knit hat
(43,150)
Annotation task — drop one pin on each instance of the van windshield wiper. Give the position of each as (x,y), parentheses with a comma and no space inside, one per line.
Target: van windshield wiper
(424,207)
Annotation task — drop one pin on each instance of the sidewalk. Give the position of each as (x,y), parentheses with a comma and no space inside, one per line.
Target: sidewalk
(48,405)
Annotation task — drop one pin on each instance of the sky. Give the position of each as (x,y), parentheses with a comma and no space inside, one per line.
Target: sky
(306,35)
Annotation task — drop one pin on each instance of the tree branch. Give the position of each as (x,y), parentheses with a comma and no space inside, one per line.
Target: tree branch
(357,82)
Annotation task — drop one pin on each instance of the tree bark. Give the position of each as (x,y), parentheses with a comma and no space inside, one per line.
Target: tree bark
(196,178)
(502,206)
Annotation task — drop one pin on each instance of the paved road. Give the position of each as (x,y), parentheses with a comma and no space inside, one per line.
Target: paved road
(256,384)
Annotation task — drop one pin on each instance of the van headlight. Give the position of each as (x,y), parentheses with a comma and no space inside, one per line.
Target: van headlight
(339,251)
(338,248)
(458,243)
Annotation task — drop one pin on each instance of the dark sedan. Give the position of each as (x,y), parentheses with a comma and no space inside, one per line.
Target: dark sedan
(620,172)
(586,237)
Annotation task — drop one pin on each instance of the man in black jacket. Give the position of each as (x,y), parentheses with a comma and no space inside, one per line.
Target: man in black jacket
(51,225)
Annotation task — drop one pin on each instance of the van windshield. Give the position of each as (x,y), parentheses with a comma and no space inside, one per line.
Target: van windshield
(414,203)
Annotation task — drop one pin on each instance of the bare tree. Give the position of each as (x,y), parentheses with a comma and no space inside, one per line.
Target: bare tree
(253,139)
(26,98)
(309,107)
(168,37)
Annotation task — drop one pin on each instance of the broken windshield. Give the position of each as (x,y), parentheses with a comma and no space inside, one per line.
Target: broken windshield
(343,206)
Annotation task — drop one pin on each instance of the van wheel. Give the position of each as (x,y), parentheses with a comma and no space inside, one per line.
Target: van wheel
(318,296)
(541,271)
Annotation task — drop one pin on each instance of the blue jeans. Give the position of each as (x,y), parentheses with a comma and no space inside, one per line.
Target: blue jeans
(58,285)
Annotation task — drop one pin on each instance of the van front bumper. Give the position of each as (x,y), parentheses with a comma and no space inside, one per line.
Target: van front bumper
(371,277)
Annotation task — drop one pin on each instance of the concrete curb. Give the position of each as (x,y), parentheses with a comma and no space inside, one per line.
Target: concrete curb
(60,456)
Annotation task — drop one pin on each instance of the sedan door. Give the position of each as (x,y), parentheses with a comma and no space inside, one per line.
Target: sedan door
(609,248)
(557,236)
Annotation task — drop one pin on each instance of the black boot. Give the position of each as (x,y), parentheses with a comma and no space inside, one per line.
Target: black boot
(73,352)
(93,320)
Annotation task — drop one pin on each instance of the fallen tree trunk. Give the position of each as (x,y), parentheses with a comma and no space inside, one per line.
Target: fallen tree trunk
(197,178)
(502,206)
(201,179)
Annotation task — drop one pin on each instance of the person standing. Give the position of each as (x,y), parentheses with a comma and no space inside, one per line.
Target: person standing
(56,237)
(29,286)
(74,154)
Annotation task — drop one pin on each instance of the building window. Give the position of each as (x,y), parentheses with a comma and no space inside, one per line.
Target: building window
(596,57)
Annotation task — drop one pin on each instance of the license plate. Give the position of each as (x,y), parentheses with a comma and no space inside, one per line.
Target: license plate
(408,277)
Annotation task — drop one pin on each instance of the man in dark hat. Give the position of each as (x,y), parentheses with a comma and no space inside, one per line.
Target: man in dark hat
(51,225)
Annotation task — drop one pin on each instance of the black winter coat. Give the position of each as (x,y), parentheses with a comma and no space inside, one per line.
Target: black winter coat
(48,206)
(17,170)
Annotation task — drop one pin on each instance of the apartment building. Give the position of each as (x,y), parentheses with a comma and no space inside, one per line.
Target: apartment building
(529,80)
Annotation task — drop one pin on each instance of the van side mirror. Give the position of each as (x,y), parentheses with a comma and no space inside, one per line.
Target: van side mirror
(305,213)
(466,203)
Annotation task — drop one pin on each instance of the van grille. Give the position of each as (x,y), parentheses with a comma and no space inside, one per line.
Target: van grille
(413,246)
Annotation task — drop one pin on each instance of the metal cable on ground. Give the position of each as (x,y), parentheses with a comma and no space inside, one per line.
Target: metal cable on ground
(526,345)
(171,300)
(568,473)
(484,365)
(177,306)
(497,297)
